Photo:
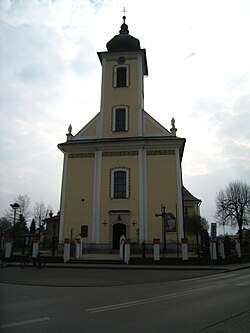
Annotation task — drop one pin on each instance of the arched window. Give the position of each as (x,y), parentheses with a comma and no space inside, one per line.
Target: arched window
(121,77)
(119,183)
(120,119)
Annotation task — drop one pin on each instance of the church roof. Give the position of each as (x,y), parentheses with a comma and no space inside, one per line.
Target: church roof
(124,41)
(187,196)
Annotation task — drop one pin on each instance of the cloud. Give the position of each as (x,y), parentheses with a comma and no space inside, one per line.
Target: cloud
(51,77)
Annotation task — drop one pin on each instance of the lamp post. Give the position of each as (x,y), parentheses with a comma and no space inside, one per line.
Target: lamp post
(14,206)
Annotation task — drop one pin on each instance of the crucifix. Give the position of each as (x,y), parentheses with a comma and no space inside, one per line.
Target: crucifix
(163,215)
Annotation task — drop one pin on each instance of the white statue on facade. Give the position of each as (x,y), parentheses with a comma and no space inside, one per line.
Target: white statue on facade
(173,123)
(70,129)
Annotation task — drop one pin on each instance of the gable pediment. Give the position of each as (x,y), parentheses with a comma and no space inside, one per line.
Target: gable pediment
(89,130)
(153,127)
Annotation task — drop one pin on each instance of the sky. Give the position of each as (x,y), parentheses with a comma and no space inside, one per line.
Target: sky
(198,55)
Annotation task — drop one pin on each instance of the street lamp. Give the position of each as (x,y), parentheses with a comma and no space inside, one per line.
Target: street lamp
(14,206)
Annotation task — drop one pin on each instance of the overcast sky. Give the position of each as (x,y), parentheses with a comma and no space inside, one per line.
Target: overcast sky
(198,54)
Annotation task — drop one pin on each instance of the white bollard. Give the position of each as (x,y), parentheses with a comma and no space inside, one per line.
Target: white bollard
(8,249)
(78,249)
(156,249)
(66,250)
(213,252)
(222,248)
(237,247)
(184,248)
(122,240)
(35,248)
(127,251)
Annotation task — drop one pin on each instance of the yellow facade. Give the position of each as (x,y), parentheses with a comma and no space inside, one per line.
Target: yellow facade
(78,201)
(123,165)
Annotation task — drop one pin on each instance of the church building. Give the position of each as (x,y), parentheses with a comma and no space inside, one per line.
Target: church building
(123,168)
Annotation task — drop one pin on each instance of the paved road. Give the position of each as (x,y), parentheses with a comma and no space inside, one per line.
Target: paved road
(168,302)
(93,277)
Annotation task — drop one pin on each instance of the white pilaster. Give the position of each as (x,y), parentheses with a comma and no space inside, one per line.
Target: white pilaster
(96,209)
(143,207)
(99,127)
(179,203)
(140,102)
(63,196)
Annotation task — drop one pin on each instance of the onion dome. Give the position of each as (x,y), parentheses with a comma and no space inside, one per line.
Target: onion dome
(124,41)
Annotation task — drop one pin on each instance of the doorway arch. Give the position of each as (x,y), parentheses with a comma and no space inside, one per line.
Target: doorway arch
(118,230)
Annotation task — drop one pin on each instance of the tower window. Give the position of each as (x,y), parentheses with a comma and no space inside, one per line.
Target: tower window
(121,76)
(119,183)
(120,119)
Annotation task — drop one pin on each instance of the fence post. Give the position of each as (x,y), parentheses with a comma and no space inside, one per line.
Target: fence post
(156,249)
(35,247)
(122,241)
(127,251)
(184,248)
(222,248)
(237,247)
(78,249)
(8,248)
(66,250)
(213,252)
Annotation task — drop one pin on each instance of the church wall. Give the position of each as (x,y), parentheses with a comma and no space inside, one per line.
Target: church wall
(191,208)
(162,190)
(79,186)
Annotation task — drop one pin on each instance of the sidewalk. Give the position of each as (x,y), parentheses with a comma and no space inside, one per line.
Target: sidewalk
(112,261)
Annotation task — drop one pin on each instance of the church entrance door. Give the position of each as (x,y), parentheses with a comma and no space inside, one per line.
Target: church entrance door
(118,230)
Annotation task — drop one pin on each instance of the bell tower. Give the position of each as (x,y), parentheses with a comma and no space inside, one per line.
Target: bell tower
(124,66)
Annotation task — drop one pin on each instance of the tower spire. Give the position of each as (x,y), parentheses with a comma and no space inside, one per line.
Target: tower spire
(124,12)
(124,26)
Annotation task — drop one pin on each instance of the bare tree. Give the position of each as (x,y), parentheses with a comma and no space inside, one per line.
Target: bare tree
(23,209)
(24,203)
(233,205)
(198,226)
(40,212)
(4,225)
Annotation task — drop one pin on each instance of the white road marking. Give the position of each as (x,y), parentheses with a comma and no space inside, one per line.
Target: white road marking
(25,322)
(243,284)
(147,300)
(212,277)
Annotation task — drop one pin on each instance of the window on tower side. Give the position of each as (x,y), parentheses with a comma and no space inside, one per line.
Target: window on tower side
(120,119)
(121,76)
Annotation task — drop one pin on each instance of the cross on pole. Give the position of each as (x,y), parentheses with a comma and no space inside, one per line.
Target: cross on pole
(163,214)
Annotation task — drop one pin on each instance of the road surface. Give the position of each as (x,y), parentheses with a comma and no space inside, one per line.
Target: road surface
(178,302)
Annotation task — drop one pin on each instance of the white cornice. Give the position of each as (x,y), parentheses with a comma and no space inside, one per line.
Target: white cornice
(122,144)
